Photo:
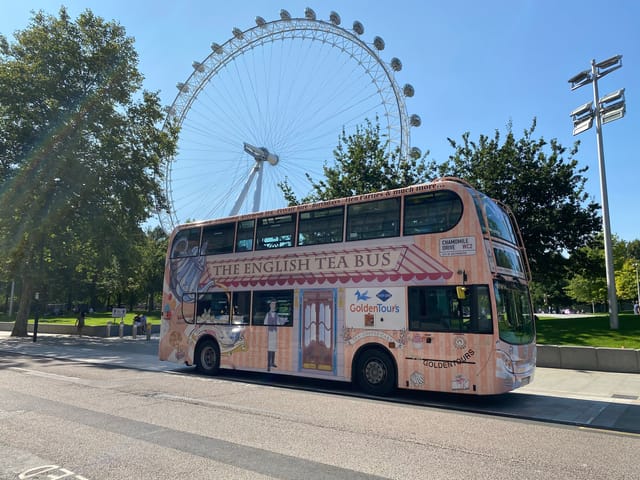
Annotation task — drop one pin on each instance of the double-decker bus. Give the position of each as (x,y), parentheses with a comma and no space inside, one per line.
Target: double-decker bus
(424,287)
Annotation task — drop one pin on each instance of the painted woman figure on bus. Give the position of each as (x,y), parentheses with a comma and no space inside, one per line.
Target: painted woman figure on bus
(271,320)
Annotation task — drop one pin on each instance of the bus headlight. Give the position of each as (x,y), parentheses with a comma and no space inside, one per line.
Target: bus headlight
(504,361)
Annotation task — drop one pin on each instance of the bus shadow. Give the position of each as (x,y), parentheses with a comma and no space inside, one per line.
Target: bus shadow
(595,414)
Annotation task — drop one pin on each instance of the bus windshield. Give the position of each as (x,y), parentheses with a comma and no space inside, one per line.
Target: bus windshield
(499,224)
(515,319)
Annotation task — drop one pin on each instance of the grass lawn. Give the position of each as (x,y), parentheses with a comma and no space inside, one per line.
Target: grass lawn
(96,319)
(591,331)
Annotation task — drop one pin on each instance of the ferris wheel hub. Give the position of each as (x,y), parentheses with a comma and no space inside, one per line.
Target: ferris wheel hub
(261,154)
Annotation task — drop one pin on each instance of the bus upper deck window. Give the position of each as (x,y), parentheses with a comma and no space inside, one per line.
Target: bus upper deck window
(431,212)
(186,243)
(321,226)
(275,232)
(376,219)
(244,238)
(218,238)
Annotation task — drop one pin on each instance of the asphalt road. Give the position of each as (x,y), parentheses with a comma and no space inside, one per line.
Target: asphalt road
(99,411)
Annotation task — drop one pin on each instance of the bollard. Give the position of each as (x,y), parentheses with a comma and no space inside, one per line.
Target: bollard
(109,329)
(121,328)
(35,320)
(134,330)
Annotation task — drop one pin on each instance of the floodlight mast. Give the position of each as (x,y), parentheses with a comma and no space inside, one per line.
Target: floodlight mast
(582,120)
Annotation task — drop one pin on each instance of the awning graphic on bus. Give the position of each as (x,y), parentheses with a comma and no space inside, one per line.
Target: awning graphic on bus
(343,266)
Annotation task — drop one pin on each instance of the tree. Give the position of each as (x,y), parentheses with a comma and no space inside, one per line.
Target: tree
(587,290)
(545,191)
(633,250)
(626,286)
(362,165)
(150,271)
(586,268)
(80,150)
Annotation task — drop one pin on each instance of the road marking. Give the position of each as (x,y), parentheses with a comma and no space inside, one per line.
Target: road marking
(37,373)
(37,472)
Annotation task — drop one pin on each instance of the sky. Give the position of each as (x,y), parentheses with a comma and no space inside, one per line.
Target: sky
(475,66)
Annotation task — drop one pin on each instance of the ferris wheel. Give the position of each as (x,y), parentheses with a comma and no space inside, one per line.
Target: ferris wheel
(268,106)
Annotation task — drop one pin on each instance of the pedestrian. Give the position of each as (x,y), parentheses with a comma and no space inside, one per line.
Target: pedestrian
(636,308)
(143,323)
(80,322)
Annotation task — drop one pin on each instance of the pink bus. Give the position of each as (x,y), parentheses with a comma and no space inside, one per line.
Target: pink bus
(423,287)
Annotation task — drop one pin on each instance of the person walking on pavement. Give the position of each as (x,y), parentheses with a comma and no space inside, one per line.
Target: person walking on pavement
(80,322)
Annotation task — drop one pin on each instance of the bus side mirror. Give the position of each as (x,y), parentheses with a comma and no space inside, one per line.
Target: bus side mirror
(461,292)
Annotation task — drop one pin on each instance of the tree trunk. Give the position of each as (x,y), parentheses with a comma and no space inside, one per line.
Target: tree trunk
(20,325)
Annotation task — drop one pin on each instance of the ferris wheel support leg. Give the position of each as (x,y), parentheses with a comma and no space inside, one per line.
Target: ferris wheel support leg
(245,190)
(257,195)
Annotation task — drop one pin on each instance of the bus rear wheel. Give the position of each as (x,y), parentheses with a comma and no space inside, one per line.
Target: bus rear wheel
(375,373)
(208,357)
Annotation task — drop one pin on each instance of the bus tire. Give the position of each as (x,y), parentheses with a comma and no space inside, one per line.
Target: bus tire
(375,372)
(208,357)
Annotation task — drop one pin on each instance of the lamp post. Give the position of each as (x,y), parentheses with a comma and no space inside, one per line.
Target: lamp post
(36,317)
(606,109)
(637,283)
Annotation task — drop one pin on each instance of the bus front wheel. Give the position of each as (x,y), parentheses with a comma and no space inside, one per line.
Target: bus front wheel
(208,357)
(375,372)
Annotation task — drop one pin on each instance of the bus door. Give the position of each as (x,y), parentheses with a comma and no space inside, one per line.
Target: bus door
(318,330)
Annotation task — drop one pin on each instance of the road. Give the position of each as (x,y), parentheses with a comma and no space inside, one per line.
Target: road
(67,418)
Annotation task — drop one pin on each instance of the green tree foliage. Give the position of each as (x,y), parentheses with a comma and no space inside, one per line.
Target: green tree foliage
(150,271)
(626,285)
(587,282)
(362,165)
(80,153)
(587,272)
(545,191)
(587,290)
(633,250)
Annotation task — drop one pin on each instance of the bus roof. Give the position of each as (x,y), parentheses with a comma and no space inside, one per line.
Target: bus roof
(438,184)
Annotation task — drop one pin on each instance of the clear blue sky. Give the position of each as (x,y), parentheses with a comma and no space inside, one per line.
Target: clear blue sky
(475,66)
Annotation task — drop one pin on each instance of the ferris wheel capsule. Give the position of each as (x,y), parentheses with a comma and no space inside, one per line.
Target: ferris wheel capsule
(261,22)
(396,64)
(358,27)
(309,14)
(415,120)
(284,15)
(408,90)
(378,42)
(334,18)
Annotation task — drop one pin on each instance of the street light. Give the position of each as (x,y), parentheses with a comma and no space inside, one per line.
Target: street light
(637,283)
(606,109)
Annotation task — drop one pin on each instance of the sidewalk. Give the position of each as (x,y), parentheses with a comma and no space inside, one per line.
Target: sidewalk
(604,400)
(127,352)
